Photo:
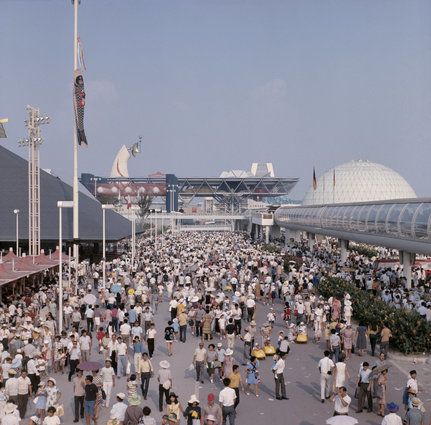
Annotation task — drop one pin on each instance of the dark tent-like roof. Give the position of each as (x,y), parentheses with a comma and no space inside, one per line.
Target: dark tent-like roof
(14,195)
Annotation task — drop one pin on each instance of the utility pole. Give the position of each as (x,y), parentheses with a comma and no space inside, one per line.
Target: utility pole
(33,141)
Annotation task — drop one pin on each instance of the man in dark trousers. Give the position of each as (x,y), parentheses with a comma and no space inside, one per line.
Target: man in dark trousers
(78,394)
(278,370)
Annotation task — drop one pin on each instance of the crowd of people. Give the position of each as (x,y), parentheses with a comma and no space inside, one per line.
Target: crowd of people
(209,286)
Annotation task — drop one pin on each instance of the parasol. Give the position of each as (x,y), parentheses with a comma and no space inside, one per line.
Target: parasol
(90,299)
(89,366)
(115,289)
(380,369)
(342,420)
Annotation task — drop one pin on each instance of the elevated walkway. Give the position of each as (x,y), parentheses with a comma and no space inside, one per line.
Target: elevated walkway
(402,224)
(206,217)
(203,228)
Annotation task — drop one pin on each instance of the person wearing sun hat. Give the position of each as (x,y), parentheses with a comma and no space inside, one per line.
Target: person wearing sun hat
(415,415)
(392,418)
(34,420)
(134,411)
(193,411)
(10,414)
(210,420)
(164,378)
(118,410)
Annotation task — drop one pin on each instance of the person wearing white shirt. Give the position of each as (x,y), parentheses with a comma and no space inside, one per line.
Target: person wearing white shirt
(151,335)
(137,331)
(411,389)
(11,415)
(278,370)
(125,329)
(226,398)
(89,315)
(74,357)
(11,387)
(122,358)
(85,345)
(118,410)
(32,373)
(108,378)
(250,304)
(341,402)
(199,361)
(67,310)
(326,366)
(392,418)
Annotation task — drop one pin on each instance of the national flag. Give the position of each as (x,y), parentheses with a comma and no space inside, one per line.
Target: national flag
(129,202)
(333,178)
(314,179)
(79,106)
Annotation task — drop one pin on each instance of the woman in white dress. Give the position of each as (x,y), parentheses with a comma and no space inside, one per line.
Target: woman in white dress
(341,372)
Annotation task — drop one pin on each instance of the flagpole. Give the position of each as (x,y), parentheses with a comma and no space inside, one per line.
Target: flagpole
(323,187)
(75,147)
(333,186)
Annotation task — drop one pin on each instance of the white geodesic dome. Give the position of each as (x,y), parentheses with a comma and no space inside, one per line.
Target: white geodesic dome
(358,181)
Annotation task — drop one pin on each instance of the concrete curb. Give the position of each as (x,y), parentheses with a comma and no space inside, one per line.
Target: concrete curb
(414,358)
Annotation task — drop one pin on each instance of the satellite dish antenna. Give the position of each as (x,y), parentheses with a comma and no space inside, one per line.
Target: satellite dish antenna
(135,149)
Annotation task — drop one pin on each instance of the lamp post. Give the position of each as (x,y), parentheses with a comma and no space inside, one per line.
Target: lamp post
(16,212)
(95,180)
(104,208)
(61,205)
(133,238)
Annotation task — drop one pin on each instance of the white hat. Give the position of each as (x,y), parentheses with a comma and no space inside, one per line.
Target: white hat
(52,380)
(193,399)
(219,345)
(9,408)
(211,418)
(228,352)
(164,364)
(121,396)
(35,419)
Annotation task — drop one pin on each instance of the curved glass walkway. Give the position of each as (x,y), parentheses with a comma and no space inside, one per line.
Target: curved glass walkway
(400,224)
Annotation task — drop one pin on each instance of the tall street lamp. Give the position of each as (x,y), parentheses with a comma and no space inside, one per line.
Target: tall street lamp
(61,205)
(104,208)
(95,180)
(16,212)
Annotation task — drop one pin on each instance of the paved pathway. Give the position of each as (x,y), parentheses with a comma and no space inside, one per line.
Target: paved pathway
(302,377)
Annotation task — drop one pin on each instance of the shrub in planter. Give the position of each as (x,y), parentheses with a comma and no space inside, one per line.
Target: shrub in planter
(411,333)
(365,250)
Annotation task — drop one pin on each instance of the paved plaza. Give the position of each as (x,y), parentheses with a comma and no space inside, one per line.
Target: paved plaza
(302,377)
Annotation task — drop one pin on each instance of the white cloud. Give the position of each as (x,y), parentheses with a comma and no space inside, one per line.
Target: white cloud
(275,89)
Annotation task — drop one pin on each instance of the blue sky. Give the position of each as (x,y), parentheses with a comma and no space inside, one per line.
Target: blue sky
(215,85)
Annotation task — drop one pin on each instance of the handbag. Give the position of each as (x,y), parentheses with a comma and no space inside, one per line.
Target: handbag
(167,384)
(103,394)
